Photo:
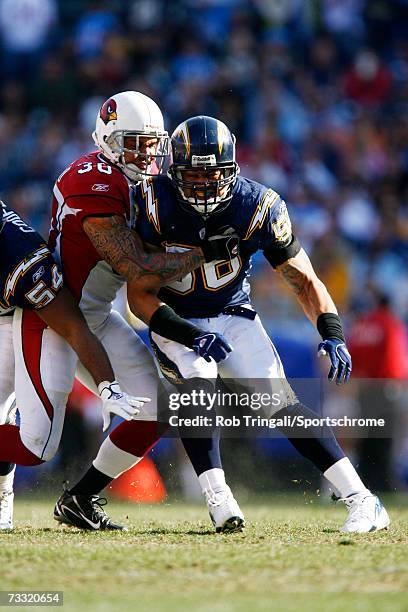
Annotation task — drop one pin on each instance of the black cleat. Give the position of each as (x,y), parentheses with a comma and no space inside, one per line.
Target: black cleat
(84,512)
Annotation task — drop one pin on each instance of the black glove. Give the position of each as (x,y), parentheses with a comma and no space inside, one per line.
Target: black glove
(221,247)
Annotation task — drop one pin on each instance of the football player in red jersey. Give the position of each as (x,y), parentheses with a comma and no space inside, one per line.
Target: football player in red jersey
(35,352)
(92,237)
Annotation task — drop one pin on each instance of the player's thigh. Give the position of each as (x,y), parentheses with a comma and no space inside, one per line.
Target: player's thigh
(131,360)
(177,362)
(44,372)
(6,358)
(254,355)
(255,363)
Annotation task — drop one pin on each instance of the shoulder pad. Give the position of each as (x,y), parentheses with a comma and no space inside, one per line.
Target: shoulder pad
(91,175)
(268,201)
(34,282)
(151,195)
(280,223)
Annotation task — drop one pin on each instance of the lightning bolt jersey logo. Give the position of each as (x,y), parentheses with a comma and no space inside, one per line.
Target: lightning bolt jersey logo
(151,204)
(21,269)
(261,211)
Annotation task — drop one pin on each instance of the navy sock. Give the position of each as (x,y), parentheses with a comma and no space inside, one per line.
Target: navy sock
(202,445)
(6,468)
(317,443)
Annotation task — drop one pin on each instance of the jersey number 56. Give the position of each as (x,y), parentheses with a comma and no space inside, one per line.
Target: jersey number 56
(215,275)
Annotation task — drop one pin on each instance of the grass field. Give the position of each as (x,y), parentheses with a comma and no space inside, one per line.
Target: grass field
(290,558)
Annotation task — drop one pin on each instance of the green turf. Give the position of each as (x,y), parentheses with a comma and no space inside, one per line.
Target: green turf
(289,558)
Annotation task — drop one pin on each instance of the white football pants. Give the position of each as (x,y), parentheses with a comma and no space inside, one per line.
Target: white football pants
(254,360)
(40,366)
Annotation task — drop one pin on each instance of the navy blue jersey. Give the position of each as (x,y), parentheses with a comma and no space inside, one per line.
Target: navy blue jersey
(29,276)
(257,214)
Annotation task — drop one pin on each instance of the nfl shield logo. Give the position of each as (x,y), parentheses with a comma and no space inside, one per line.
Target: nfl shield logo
(202,233)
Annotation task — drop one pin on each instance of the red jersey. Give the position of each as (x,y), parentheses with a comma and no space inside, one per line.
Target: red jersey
(90,186)
(378,346)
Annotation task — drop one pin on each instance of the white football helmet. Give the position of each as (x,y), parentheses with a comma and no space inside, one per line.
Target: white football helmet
(132,114)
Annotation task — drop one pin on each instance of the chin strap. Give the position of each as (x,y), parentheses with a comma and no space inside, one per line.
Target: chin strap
(133,174)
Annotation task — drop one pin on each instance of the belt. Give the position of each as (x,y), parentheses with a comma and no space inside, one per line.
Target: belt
(234,310)
(240,311)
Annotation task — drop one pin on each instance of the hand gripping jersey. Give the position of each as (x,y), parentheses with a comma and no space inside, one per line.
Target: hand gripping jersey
(29,275)
(90,186)
(257,214)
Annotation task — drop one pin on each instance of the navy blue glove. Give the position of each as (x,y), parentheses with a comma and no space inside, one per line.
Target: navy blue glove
(340,359)
(212,345)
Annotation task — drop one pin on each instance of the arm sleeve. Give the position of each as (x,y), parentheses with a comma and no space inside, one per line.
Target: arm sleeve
(279,243)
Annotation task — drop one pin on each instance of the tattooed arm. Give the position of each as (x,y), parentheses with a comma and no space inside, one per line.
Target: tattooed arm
(122,248)
(144,272)
(310,292)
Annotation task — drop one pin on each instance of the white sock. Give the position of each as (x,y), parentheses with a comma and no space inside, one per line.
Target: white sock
(6,482)
(212,480)
(112,460)
(343,476)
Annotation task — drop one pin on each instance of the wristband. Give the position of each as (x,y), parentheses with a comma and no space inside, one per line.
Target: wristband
(329,326)
(165,322)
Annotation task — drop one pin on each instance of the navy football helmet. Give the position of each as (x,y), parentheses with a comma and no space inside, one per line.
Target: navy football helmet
(203,146)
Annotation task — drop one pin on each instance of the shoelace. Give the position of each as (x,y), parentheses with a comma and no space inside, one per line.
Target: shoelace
(217,499)
(97,504)
(356,506)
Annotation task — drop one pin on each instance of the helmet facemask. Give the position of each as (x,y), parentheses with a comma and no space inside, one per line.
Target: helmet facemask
(151,163)
(208,195)
(203,169)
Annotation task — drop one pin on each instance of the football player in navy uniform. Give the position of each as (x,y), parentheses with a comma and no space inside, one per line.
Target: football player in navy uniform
(204,196)
(30,282)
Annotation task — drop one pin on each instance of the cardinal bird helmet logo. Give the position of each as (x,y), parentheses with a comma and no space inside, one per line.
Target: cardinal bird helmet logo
(108,111)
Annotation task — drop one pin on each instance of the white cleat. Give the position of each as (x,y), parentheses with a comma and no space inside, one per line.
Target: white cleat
(224,511)
(6,510)
(366,513)
(8,412)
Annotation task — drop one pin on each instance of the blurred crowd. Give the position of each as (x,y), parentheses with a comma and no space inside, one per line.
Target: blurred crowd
(316,92)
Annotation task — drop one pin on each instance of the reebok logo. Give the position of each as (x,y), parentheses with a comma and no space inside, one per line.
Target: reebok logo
(100,187)
(37,275)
